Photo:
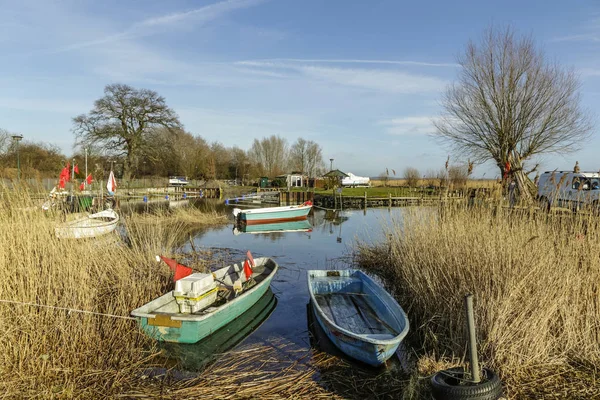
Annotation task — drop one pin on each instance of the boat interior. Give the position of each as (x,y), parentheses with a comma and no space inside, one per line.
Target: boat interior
(353,306)
(225,280)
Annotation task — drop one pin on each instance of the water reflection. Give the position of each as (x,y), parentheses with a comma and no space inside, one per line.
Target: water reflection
(194,357)
(277,227)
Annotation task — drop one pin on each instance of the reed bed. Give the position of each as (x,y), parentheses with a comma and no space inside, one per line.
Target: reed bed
(48,352)
(535,278)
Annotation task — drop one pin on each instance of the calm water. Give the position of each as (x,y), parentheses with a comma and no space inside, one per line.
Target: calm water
(324,244)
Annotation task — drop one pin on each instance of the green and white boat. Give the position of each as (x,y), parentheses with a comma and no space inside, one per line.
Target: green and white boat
(270,215)
(161,319)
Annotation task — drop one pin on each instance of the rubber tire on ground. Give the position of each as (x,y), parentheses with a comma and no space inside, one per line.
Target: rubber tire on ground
(444,386)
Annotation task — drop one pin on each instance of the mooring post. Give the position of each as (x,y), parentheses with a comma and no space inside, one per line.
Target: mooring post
(390,198)
(472,339)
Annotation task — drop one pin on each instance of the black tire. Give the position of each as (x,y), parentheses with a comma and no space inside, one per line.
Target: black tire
(450,384)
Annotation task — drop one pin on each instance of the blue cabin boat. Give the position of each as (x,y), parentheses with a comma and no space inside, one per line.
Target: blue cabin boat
(357,315)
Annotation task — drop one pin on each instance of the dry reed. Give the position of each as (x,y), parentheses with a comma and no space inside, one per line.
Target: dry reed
(535,278)
(49,353)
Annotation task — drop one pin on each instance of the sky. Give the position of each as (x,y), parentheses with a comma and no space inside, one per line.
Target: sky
(364,79)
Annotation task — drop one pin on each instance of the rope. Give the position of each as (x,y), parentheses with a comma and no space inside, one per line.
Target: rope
(65,309)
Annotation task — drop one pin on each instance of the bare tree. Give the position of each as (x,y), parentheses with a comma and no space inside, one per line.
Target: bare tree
(306,156)
(270,155)
(121,120)
(510,104)
(5,138)
(458,175)
(412,176)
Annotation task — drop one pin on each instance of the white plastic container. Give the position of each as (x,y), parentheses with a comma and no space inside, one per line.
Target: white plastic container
(195,292)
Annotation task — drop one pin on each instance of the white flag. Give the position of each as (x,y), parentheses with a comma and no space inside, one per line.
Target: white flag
(111,185)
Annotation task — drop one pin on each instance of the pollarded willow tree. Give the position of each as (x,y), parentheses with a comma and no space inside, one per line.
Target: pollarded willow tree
(121,122)
(511,104)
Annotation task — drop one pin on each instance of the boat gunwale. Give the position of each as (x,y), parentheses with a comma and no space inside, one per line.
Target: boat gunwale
(267,210)
(202,317)
(363,338)
(100,224)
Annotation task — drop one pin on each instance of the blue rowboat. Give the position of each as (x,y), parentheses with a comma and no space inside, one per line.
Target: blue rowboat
(357,315)
(276,227)
(161,319)
(272,214)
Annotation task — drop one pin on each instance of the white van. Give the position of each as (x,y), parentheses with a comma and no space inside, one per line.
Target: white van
(569,189)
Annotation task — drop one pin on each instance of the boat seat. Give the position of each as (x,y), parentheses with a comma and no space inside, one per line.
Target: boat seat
(378,336)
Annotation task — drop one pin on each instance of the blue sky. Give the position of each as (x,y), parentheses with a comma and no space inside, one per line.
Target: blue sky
(362,78)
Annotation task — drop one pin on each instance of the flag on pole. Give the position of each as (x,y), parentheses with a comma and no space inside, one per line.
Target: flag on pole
(76,168)
(180,270)
(63,178)
(247,269)
(89,179)
(111,185)
(82,186)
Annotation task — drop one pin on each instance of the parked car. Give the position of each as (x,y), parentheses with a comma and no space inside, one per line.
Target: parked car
(569,189)
(178,181)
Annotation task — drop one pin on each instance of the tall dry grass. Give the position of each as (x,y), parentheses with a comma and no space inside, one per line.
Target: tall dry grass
(535,278)
(50,353)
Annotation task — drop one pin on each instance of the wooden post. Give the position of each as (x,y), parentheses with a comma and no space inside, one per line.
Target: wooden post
(365,199)
(390,199)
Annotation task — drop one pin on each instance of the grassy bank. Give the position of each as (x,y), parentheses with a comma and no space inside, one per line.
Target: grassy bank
(535,279)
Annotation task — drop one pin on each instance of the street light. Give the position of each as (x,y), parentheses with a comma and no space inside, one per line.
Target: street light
(17,139)
(331,165)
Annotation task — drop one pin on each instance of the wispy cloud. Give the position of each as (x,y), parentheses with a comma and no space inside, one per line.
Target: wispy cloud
(585,37)
(274,61)
(422,125)
(152,25)
(373,79)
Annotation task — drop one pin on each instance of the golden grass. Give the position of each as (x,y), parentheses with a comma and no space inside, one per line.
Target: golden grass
(47,353)
(535,278)
(471,183)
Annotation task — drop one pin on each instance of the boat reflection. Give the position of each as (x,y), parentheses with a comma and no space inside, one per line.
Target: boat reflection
(277,227)
(195,357)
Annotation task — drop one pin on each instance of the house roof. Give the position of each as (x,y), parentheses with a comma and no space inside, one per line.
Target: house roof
(336,173)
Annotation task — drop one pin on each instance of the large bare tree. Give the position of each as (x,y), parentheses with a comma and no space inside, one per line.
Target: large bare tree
(510,104)
(121,121)
(306,156)
(270,155)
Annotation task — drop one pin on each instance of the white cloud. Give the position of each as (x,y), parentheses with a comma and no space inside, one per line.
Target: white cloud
(409,125)
(151,26)
(377,80)
(373,79)
(275,61)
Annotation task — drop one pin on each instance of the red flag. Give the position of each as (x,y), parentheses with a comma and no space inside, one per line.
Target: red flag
(61,183)
(181,271)
(251,259)
(89,179)
(82,186)
(76,169)
(247,269)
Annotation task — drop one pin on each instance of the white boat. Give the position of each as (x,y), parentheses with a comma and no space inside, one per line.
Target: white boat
(92,225)
(353,180)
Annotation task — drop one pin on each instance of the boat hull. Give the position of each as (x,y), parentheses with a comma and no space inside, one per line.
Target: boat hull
(345,290)
(91,226)
(274,214)
(188,328)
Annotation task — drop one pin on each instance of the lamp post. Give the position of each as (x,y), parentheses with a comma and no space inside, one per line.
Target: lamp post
(144,172)
(17,139)
(331,164)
